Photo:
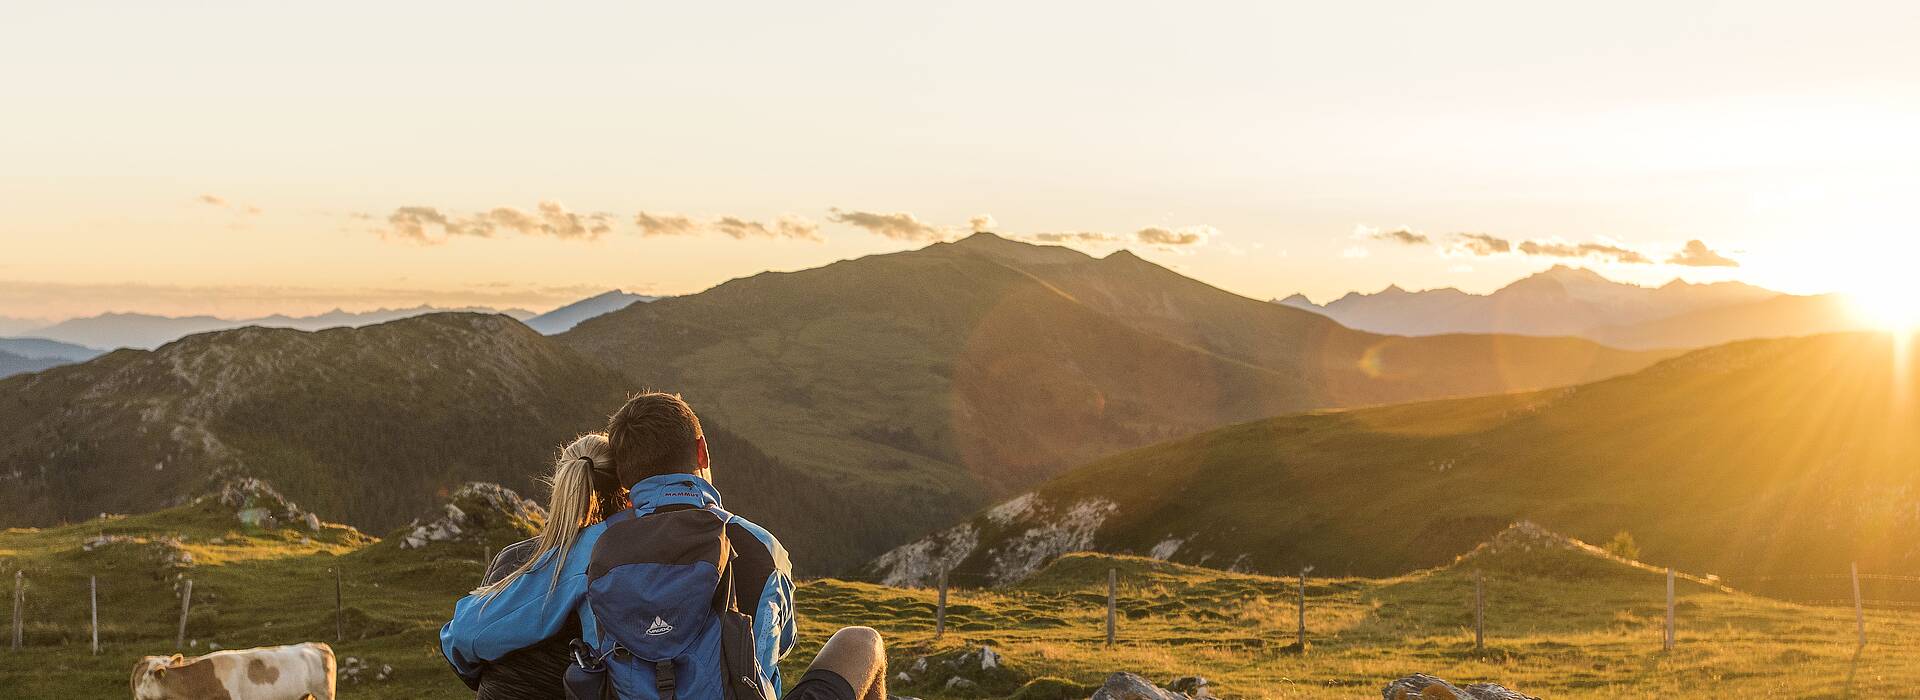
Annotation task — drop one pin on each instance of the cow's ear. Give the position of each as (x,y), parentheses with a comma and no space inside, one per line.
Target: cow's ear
(175,659)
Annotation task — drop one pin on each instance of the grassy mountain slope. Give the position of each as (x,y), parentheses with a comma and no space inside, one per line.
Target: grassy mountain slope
(369,424)
(1560,621)
(1754,459)
(946,375)
(1779,317)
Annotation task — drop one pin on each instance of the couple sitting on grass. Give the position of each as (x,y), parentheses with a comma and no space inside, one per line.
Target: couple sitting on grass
(641,586)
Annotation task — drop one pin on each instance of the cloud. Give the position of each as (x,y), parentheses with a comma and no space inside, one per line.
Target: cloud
(549,218)
(224,203)
(1402,235)
(1697,254)
(900,226)
(982,222)
(1482,244)
(665,224)
(1555,249)
(783,227)
(1094,237)
(787,226)
(1173,238)
(417,223)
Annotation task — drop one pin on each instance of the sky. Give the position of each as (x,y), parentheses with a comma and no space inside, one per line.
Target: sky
(244,158)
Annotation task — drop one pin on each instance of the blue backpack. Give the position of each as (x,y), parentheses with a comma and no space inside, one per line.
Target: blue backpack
(661,589)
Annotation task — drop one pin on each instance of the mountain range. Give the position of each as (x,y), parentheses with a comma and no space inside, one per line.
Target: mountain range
(851,407)
(566,317)
(149,331)
(1760,461)
(1568,301)
(21,355)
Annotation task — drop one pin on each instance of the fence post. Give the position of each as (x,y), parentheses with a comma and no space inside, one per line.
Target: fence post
(1667,643)
(19,598)
(93,604)
(1302,631)
(1113,586)
(940,610)
(186,601)
(1479,611)
(338,609)
(1859,611)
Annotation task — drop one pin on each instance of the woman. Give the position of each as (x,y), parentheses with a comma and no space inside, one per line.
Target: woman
(584,491)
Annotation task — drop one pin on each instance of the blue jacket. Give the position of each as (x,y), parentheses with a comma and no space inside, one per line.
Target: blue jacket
(528,611)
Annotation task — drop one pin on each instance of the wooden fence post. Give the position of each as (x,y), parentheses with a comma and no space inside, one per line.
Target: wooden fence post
(19,599)
(1859,611)
(1113,586)
(186,601)
(1667,643)
(940,610)
(1302,631)
(339,611)
(1479,611)
(93,604)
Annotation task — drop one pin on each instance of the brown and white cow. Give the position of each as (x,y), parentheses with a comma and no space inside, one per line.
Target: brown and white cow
(268,673)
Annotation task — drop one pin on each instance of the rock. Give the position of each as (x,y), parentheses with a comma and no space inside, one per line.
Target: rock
(1421,686)
(313,522)
(1126,686)
(257,504)
(957,683)
(902,678)
(1493,691)
(1191,686)
(473,510)
(988,659)
(920,665)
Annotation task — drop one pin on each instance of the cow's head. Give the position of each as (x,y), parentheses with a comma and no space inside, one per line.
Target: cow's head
(150,674)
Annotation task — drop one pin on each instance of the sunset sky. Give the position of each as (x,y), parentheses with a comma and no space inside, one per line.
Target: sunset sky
(243,158)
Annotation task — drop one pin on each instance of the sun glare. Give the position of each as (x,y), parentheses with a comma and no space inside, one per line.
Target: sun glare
(1888,304)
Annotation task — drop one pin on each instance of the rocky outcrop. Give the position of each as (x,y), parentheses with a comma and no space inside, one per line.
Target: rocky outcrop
(1126,686)
(1010,541)
(1421,686)
(476,509)
(258,504)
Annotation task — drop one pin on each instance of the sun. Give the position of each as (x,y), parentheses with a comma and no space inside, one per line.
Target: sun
(1887,301)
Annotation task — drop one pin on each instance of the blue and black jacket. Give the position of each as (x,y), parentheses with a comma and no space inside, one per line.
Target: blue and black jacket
(528,611)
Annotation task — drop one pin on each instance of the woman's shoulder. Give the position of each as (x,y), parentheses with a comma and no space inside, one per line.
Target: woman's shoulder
(510,558)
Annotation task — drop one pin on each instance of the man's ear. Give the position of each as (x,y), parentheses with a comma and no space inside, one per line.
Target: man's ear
(700,458)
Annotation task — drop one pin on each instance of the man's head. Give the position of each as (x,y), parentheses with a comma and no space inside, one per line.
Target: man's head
(656,434)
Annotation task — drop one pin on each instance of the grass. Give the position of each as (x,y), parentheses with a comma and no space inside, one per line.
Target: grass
(1559,624)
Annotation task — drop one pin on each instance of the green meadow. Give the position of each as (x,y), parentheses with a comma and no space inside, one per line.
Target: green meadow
(1560,621)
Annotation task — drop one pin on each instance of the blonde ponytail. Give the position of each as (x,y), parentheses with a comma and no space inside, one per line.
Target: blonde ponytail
(572,505)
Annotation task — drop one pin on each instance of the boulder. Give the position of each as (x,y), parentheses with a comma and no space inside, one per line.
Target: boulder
(473,511)
(1126,686)
(1191,686)
(1421,686)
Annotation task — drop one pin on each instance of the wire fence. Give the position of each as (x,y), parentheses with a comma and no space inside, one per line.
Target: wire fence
(943,583)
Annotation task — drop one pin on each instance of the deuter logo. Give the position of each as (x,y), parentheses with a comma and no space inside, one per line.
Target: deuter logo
(659,627)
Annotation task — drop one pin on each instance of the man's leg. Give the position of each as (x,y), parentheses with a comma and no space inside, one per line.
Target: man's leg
(852,666)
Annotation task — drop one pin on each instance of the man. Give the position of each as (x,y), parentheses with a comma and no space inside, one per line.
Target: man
(643,583)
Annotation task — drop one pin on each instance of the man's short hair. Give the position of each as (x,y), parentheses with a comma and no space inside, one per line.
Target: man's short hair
(654,434)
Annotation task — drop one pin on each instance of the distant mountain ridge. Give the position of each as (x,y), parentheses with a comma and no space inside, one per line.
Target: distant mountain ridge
(22,355)
(566,317)
(1565,301)
(850,407)
(149,331)
(1748,460)
(926,382)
